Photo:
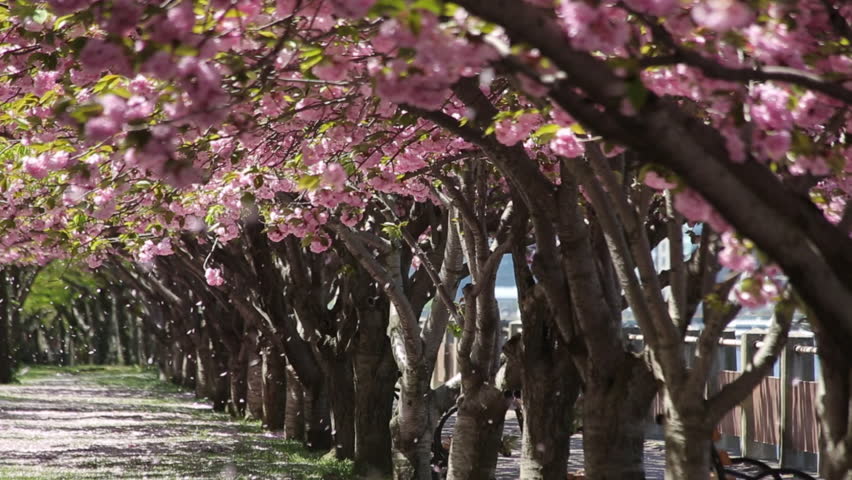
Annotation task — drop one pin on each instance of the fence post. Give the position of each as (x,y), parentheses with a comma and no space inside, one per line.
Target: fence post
(747,350)
(690,347)
(791,370)
(725,359)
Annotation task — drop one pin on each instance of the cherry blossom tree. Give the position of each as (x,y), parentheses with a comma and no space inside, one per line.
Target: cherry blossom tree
(146,131)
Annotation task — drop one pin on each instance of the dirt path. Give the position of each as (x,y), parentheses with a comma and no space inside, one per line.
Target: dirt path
(120,423)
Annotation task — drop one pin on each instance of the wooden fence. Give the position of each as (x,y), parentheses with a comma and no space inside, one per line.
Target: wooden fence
(778,422)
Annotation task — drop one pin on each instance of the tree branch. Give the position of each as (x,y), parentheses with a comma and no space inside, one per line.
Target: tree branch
(757,368)
(718,71)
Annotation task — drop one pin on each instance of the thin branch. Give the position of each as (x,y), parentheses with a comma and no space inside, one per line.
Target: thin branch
(640,248)
(426,263)
(716,319)
(622,259)
(677,290)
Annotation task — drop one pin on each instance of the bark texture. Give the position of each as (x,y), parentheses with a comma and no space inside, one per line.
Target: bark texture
(688,443)
(478,434)
(375,376)
(614,413)
(834,409)
(294,420)
(274,388)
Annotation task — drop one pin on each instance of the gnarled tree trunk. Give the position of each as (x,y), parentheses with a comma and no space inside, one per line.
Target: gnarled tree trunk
(237,375)
(254,378)
(411,429)
(274,388)
(318,417)
(342,395)
(375,377)
(550,386)
(7,366)
(834,409)
(478,434)
(615,409)
(294,419)
(688,443)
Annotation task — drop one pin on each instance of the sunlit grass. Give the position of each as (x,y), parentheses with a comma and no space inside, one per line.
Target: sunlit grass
(98,422)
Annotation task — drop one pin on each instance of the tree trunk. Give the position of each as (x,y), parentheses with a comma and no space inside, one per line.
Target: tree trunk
(70,348)
(254,376)
(7,368)
(237,373)
(615,409)
(139,341)
(412,427)
(375,377)
(294,419)
(218,371)
(274,388)
(550,383)
(101,329)
(549,394)
(176,360)
(342,395)
(203,389)
(116,346)
(190,368)
(688,443)
(833,409)
(318,424)
(478,434)
(411,457)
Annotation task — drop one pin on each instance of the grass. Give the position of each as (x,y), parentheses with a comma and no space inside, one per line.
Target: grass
(121,422)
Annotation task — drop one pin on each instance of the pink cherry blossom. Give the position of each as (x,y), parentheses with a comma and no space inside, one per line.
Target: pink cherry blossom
(602,28)
(565,144)
(722,15)
(213,276)
(510,131)
(735,256)
(99,55)
(352,8)
(35,166)
(64,7)
(656,181)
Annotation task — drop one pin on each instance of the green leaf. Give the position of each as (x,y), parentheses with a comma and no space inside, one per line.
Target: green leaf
(393,230)
(40,15)
(308,182)
(213,213)
(545,133)
(387,7)
(637,94)
(83,113)
(311,62)
(434,6)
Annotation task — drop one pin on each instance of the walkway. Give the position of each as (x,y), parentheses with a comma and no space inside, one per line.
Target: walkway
(509,468)
(110,423)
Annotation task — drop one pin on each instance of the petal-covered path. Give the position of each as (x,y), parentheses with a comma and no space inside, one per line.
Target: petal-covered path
(109,423)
